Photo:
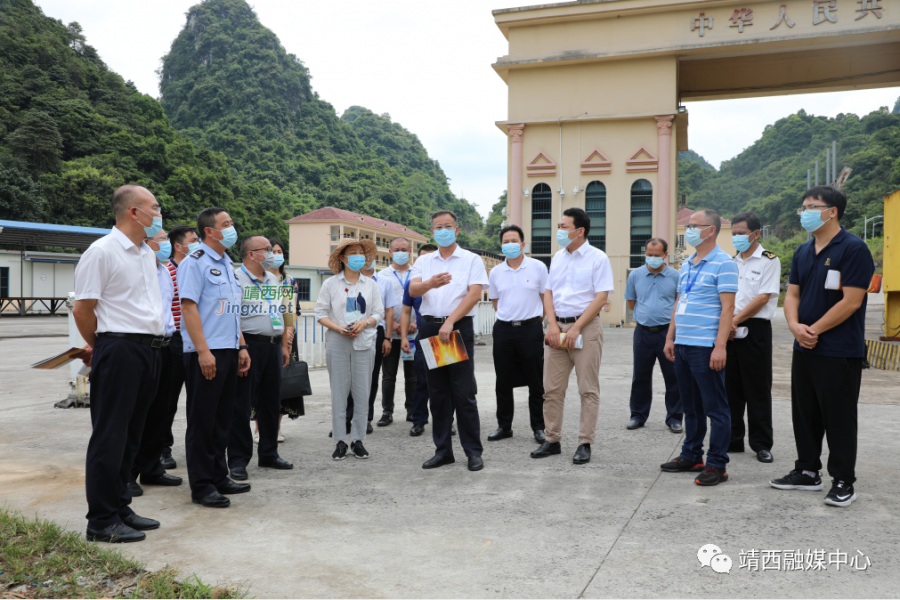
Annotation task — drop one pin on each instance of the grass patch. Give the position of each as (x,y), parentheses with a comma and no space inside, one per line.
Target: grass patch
(39,559)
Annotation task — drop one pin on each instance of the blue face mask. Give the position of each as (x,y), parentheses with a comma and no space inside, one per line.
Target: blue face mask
(279,260)
(356,262)
(229,236)
(692,236)
(155,228)
(654,262)
(811,220)
(511,250)
(445,237)
(164,252)
(401,258)
(741,242)
(193,247)
(562,238)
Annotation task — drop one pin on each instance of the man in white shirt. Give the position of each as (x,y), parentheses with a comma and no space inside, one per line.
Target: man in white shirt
(397,274)
(450,282)
(579,285)
(517,291)
(748,378)
(119,313)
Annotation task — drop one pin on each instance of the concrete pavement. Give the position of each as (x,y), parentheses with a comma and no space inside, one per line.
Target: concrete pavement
(383,527)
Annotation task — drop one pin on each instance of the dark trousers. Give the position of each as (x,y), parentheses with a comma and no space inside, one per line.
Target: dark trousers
(210,404)
(124,376)
(702,396)
(420,399)
(373,391)
(452,388)
(748,381)
(176,381)
(824,394)
(519,356)
(389,379)
(261,388)
(146,462)
(648,349)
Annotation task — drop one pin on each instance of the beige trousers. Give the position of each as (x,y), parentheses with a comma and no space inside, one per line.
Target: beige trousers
(558,364)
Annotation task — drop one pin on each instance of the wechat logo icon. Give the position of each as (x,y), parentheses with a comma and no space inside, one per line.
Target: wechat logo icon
(711,556)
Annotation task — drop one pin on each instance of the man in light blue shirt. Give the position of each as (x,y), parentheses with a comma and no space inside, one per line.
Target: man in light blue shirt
(650,293)
(696,343)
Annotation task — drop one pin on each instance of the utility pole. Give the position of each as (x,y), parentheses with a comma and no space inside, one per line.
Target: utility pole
(827,165)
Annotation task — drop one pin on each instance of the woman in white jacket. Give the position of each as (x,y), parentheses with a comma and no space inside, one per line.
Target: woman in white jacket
(350,307)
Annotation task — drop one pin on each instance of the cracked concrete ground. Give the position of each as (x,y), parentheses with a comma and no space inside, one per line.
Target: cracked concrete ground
(383,527)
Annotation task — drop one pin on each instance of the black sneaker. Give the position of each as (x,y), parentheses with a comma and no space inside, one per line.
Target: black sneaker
(712,476)
(679,465)
(359,450)
(340,452)
(841,493)
(797,480)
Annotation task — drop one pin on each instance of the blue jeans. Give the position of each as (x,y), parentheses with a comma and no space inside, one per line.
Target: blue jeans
(702,395)
(648,349)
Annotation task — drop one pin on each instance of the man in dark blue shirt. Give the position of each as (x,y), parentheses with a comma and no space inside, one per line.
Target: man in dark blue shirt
(825,308)
(419,410)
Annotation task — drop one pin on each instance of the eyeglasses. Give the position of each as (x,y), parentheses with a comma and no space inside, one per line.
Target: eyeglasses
(701,227)
(269,249)
(803,209)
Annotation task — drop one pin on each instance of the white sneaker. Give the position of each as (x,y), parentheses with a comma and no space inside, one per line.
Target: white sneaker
(280,436)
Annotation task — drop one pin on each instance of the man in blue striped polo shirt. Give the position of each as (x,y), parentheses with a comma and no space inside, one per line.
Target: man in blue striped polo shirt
(698,334)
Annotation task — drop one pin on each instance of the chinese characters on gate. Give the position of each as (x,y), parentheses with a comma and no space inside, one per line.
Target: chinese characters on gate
(823,11)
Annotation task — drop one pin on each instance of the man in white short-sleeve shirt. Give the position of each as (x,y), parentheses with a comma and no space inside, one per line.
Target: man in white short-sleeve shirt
(517,290)
(748,378)
(450,282)
(580,282)
(119,313)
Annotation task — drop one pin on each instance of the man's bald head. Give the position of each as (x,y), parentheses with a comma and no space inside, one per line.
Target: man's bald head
(129,195)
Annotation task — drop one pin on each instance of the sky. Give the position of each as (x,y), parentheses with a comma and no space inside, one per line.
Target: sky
(427,64)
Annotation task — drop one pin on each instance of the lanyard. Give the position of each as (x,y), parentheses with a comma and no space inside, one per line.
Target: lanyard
(254,282)
(403,283)
(687,290)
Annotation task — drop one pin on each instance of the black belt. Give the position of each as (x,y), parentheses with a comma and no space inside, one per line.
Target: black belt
(655,329)
(154,341)
(430,319)
(267,339)
(567,319)
(520,323)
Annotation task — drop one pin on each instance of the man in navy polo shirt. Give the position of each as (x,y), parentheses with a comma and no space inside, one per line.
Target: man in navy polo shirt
(825,308)
(696,343)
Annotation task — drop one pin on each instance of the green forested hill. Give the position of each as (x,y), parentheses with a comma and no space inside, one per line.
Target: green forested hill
(229,85)
(769,177)
(71,131)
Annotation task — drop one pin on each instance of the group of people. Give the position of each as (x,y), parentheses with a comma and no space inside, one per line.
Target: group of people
(158,311)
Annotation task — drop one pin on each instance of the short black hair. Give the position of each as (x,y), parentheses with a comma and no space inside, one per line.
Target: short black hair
(428,248)
(207,218)
(391,245)
(580,218)
(441,213)
(713,216)
(178,233)
(829,195)
(657,240)
(749,218)
(515,228)
(124,198)
(276,242)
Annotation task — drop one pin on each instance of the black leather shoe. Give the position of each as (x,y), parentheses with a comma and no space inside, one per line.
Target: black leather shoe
(234,488)
(438,461)
(369,428)
(475,463)
(764,456)
(239,473)
(500,434)
(386,419)
(547,449)
(539,436)
(676,427)
(135,490)
(416,430)
(164,479)
(582,455)
(214,500)
(409,418)
(276,463)
(140,523)
(167,461)
(634,424)
(120,533)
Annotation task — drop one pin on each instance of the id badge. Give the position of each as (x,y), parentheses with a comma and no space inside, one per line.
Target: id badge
(276,319)
(682,306)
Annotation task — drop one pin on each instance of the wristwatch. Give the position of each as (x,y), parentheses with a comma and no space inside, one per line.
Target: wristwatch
(243,347)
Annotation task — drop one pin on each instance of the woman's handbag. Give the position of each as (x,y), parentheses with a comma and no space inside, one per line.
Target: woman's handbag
(295,380)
